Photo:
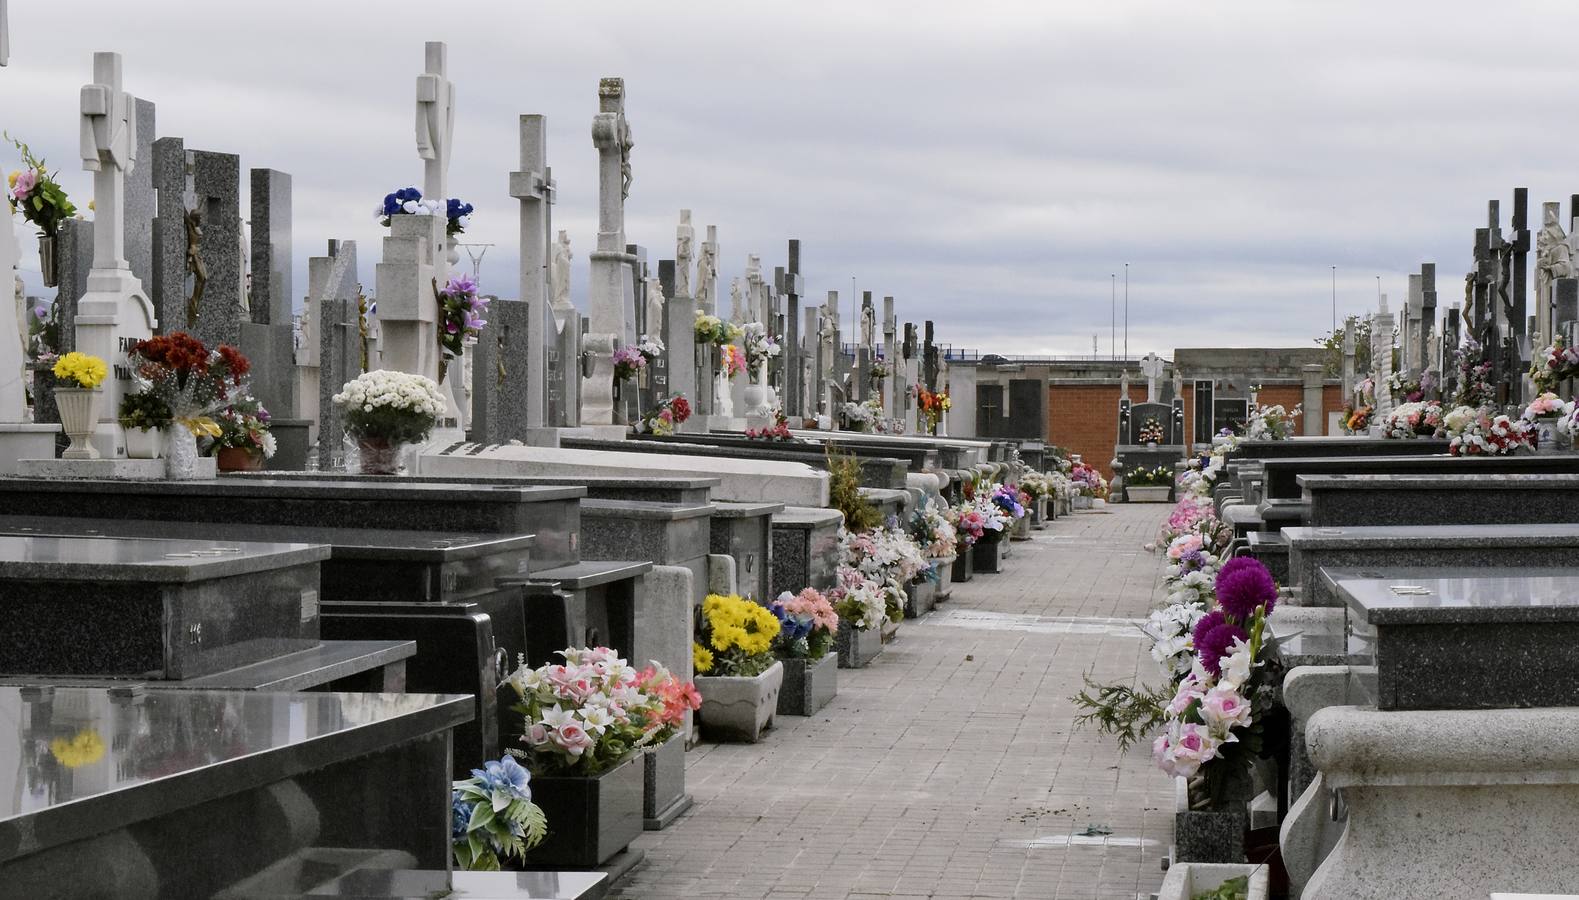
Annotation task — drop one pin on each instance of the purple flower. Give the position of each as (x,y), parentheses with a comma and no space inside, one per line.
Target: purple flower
(1207,623)
(452,328)
(461,285)
(1242,588)
(1212,646)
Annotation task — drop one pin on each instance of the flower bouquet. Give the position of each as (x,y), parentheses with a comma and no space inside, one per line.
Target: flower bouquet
(1140,476)
(807,632)
(143,417)
(1476,432)
(863,606)
(194,382)
(384,410)
(459,214)
(715,331)
(888,557)
(779,431)
(1556,364)
(933,406)
(493,816)
(1007,497)
(244,440)
(1357,419)
(760,347)
(1150,431)
(662,419)
(628,362)
(738,676)
(731,361)
(650,348)
(42,202)
(461,320)
(879,370)
(931,529)
(1414,419)
(1474,376)
(1271,423)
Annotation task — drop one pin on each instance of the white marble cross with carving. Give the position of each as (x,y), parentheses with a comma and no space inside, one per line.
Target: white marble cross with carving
(1152,366)
(435,121)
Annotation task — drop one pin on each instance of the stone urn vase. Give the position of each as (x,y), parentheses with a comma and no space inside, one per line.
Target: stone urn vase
(964,567)
(79,414)
(144,443)
(739,709)
(180,453)
(757,403)
(595,817)
(1210,835)
(1549,439)
(1155,493)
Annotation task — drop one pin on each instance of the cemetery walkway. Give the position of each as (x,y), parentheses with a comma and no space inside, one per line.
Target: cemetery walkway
(950,767)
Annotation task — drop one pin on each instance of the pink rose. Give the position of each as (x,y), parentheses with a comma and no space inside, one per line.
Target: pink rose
(537,735)
(573,738)
(1224,709)
(1192,748)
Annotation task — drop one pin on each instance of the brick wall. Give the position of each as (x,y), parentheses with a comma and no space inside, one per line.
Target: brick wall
(1084,418)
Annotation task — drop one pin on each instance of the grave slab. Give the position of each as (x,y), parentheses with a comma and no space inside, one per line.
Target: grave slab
(805,549)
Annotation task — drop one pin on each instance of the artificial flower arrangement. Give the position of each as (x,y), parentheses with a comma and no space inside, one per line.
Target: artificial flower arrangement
(807,625)
(1357,419)
(1007,497)
(1366,390)
(650,348)
(662,419)
(931,530)
(1036,484)
(1474,376)
(1556,364)
(409,202)
(887,557)
(84,748)
(461,320)
(731,361)
(778,431)
(459,214)
(857,416)
(492,816)
(1213,726)
(969,523)
(759,346)
(1272,423)
(35,192)
(1476,432)
(628,361)
(144,411)
(1408,389)
(243,425)
(1150,431)
(189,378)
(933,406)
(588,714)
(859,601)
(390,407)
(715,331)
(734,637)
(879,369)
(1547,406)
(1157,476)
(1413,419)
(81,370)
(1089,481)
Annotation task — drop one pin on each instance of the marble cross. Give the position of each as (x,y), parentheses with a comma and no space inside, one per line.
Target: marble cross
(435,121)
(612,287)
(534,187)
(1152,367)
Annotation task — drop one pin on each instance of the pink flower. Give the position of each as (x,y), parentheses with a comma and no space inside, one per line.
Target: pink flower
(573,738)
(1191,747)
(1223,709)
(26,180)
(537,735)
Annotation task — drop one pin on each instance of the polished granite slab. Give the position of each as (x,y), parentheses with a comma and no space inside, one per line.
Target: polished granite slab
(1465,638)
(657,488)
(157,789)
(1345,500)
(1280,476)
(377,666)
(425,885)
(147,608)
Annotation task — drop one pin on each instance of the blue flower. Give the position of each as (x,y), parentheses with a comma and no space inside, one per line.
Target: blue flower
(505,775)
(460,817)
(457,208)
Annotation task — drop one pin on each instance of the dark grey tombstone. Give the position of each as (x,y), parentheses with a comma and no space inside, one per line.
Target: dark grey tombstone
(216,186)
(501,383)
(929,360)
(1027,413)
(74,258)
(339,361)
(1229,413)
(166,287)
(793,287)
(272,299)
(1141,413)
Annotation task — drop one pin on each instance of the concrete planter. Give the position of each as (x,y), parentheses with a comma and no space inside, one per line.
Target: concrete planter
(739,709)
(809,685)
(1186,880)
(857,646)
(664,797)
(1021,531)
(920,597)
(591,818)
(964,568)
(1039,513)
(944,570)
(1208,835)
(1156,493)
(988,553)
(1082,502)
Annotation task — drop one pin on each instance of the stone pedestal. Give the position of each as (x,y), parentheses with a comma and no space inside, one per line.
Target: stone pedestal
(25,440)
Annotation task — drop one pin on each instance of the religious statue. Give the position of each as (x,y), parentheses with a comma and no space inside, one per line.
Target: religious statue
(706,269)
(626,144)
(655,302)
(736,308)
(1553,260)
(559,273)
(868,326)
(684,244)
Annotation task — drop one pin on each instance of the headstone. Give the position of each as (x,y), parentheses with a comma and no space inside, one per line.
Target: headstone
(1514,298)
(534,187)
(115,312)
(1348,358)
(890,358)
(171,265)
(141,199)
(1431,361)
(1409,351)
(612,289)
(268,339)
(341,348)
(864,351)
(929,359)
(415,260)
(792,288)
(828,353)
(502,384)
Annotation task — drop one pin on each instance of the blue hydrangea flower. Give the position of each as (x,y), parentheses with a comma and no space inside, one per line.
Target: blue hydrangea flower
(460,816)
(505,775)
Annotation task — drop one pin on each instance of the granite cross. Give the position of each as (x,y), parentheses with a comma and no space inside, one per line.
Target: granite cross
(534,187)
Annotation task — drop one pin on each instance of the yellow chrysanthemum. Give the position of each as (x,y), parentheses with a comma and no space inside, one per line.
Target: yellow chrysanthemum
(84,749)
(701,657)
(80,368)
(11,179)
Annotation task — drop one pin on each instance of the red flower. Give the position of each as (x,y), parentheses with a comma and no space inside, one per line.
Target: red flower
(234,361)
(681,409)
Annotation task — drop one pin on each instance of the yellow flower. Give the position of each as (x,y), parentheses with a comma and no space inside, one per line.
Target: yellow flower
(701,657)
(87,371)
(85,749)
(11,179)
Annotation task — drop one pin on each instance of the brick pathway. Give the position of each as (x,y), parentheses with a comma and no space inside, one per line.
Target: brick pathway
(949,768)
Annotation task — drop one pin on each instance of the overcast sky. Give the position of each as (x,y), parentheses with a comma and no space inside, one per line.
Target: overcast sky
(989,164)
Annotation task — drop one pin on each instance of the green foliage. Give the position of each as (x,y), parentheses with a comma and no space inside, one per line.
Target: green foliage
(844,492)
(1128,713)
(489,832)
(46,205)
(1333,344)
(1237,888)
(141,410)
(1140,476)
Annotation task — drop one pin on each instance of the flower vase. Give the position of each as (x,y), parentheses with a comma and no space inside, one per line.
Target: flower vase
(238,459)
(809,685)
(144,443)
(739,708)
(723,401)
(79,414)
(1548,439)
(595,817)
(942,429)
(46,261)
(756,400)
(858,646)
(452,253)
(180,453)
(664,798)
(378,456)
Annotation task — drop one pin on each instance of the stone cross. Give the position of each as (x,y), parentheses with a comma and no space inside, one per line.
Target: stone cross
(1152,366)
(1348,358)
(792,288)
(707,274)
(929,358)
(1516,302)
(684,252)
(533,186)
(435,121)
(612,285)
(114,313)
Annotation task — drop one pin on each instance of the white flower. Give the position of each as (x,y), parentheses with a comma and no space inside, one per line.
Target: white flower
(411,206)
(596,718)
(1235,667)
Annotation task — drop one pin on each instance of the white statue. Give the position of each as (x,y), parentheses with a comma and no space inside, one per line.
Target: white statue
(1553,260)
(868,326)
(737,312)
(655,302)
(706,270)
(685,242)
(559,274)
